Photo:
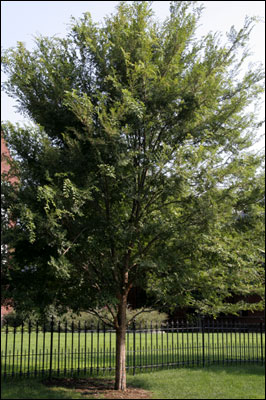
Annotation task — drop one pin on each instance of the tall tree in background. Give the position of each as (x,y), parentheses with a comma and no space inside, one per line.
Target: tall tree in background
(134,172)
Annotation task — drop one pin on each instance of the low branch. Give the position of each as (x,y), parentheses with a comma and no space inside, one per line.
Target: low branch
(105,320)
(138,313)
(111,311)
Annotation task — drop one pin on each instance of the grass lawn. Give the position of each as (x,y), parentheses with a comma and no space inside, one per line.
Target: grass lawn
(215,382)
(34,389)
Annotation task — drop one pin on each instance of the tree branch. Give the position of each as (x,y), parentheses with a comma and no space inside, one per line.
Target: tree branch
(138,313)
(105,320)
(75,240)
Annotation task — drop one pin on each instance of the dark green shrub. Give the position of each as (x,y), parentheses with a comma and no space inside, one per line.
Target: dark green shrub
(12,319)
(149,318)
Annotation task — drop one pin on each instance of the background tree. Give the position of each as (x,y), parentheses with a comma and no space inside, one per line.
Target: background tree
(134,168)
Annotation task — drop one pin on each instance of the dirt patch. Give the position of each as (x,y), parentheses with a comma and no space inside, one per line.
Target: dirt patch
(98,388)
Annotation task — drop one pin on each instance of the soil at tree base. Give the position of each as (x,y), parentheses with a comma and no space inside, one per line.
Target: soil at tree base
(98,387)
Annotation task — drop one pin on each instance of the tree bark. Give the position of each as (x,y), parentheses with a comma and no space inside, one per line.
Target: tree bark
(120,376)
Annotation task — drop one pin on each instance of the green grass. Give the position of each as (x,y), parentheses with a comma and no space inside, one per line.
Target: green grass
(215,382)
(34,389)
(30,353)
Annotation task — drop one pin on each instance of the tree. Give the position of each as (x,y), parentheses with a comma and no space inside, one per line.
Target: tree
(136,152)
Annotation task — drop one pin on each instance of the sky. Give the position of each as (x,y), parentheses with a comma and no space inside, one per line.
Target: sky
(21,20)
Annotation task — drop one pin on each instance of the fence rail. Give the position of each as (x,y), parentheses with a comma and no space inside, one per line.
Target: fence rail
(59,349)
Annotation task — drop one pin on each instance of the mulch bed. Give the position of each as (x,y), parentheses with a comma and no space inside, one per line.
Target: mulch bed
(98,387)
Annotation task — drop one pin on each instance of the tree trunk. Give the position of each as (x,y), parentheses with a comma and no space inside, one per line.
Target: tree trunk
(120,376)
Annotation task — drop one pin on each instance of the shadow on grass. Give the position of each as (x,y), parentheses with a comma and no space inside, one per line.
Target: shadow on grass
(249,369)
(34,389)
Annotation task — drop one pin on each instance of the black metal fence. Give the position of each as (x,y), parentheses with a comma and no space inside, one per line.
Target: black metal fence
(61,349)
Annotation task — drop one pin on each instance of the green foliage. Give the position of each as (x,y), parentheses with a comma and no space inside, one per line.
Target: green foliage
(148,318)
(137,169)
(69,319)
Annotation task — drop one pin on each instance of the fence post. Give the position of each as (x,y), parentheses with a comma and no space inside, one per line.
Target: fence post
(261,342)
(5,374)
(14,349)
(21,348)
(134,347)
(29,330)
(203,343)
(51,347)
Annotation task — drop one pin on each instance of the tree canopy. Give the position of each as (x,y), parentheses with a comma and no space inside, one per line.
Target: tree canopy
(137,170)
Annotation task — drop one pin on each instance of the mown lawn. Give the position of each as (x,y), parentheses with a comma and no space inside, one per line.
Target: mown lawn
(215,382)
(34,389)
